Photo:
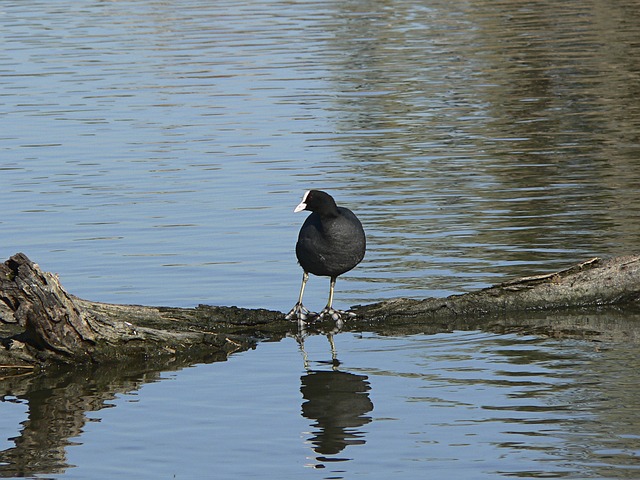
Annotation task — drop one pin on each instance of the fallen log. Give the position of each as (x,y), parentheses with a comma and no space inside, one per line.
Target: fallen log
(40,323)
(594,283)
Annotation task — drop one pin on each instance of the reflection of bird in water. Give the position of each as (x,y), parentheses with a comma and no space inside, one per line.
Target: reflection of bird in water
(302,334)
(338,402)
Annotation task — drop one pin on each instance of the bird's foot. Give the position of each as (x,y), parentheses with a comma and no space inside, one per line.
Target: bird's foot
(336,315)
(300,313)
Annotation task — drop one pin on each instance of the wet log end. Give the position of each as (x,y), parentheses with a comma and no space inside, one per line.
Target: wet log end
(36,301)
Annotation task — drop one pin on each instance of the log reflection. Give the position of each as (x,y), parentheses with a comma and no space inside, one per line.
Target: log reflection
(58,401)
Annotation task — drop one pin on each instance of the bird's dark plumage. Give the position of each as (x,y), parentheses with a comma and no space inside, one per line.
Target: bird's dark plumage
(330,243)
(331,240)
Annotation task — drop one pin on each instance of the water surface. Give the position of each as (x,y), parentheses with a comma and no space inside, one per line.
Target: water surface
(152,152)
(471,404)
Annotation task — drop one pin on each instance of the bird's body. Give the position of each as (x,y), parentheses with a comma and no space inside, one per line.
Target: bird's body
(331,242)
(331,246)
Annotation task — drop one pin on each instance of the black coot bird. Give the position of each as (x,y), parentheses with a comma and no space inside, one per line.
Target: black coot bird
(330,243)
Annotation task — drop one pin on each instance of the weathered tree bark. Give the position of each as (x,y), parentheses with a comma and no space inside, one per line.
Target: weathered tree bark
(41,323)
(49,316)
(593,283)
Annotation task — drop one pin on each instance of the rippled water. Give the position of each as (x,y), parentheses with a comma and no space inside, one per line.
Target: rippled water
(152,152)
(465,404)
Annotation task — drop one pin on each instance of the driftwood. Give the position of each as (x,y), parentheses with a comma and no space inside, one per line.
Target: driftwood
(41,324)
(593,283)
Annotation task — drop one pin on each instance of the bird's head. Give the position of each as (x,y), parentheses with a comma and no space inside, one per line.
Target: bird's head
(317,201)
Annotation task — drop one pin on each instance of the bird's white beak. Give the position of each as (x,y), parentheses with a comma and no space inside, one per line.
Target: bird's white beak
(303,204)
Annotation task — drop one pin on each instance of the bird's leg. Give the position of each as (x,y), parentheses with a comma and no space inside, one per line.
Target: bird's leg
(330,311)
(299,311)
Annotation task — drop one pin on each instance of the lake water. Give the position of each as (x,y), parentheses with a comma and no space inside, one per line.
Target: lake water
(463,404)
(152,152)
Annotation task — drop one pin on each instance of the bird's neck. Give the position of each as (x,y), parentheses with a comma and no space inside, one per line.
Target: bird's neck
(331,211)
